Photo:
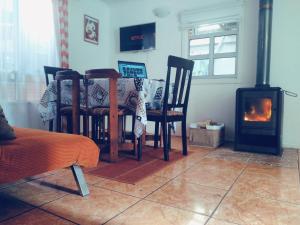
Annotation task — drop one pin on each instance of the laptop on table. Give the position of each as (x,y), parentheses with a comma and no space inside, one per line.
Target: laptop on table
(132,69)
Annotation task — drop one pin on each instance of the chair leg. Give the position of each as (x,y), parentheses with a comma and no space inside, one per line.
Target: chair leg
(94,128)
(165,140)
(85,125)
(132,129)
(97,129)
(169,137)
(184,140)
(51,125)
(103,129)
(58,124)
(80,181)
(124,128)
(69,125)
(156,133)
(139,149)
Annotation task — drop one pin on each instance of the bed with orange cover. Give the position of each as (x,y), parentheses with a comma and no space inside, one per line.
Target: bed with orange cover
(35,151)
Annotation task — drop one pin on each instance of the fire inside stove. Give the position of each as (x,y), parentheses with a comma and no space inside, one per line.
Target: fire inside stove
(258,109)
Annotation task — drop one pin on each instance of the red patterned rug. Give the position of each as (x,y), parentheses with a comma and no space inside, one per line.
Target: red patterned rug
(130,171)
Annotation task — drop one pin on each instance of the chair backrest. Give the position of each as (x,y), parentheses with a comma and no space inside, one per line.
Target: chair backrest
(179,96)
(111,74)
(51,71)
(75,77)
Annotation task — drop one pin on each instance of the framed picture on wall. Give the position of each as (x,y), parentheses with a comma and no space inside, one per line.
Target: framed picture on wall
(91,29)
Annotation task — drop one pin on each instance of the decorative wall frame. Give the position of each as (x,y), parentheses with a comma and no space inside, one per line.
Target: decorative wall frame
(91,29)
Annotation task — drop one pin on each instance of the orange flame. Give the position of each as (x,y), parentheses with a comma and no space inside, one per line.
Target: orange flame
(264,116)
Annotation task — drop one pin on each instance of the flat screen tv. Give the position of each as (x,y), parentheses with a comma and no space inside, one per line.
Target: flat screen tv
(138,37)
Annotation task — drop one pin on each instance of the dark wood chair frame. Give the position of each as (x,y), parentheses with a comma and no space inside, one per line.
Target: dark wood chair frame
(51,71)
(178,100)
(74,118)
(112,75)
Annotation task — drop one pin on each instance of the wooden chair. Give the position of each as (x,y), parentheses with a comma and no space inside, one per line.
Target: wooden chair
(73,111)
(98,113)
(178,99)
(50,73)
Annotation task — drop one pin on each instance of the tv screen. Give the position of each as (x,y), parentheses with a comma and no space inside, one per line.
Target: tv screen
(138,37)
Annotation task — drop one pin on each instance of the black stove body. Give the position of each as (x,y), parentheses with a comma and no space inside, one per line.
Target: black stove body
(259,120)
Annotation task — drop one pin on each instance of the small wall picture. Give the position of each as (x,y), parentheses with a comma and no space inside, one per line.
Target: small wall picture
(91,29)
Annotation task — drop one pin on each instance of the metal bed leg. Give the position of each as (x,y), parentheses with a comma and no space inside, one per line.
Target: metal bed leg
(80,181)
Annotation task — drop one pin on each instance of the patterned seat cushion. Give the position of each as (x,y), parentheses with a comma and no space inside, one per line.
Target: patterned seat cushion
(6,131)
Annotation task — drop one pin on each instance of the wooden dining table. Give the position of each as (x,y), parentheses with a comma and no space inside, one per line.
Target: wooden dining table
(136,94)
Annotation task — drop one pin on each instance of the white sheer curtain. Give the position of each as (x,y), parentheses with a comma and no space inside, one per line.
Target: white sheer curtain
(27,43)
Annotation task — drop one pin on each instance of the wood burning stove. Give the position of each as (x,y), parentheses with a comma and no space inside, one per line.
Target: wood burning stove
(258,121)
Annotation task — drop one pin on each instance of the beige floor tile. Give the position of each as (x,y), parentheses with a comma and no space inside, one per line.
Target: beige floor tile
(67,174)
(194,157)
(34,193)
(284,175)
(288,159)
(221,164)
(247,209)
(150,213)
(100,206)
(213,173)
(49,188)
(36,217)
(11,207)
(270,185)
(140,189)
(48,174)
(174,169)
(213,221)
(229,154)
(189,196)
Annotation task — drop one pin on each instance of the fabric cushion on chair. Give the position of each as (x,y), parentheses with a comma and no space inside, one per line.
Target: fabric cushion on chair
(159,112)
(6,131)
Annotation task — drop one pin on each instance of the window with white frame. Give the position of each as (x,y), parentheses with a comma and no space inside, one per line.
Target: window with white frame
(214,49)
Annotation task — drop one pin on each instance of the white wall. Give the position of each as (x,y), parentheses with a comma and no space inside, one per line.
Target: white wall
(210,99)
(285,63)
(84,55)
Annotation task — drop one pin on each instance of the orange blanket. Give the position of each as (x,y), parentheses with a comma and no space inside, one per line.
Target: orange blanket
(36,151)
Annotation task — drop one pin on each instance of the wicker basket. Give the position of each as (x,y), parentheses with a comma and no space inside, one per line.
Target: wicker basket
(207,138)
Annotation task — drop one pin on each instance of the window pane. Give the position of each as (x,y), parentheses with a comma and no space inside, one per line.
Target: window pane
(224,66)
(225,44)
(199,46)
(213,28)
(201,67)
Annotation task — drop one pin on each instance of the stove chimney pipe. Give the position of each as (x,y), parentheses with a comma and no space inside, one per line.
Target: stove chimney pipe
(264,43)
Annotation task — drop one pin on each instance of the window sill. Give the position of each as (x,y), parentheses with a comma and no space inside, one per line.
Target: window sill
(215,80)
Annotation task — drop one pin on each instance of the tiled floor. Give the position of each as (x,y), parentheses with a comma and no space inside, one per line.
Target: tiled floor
(210,186)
